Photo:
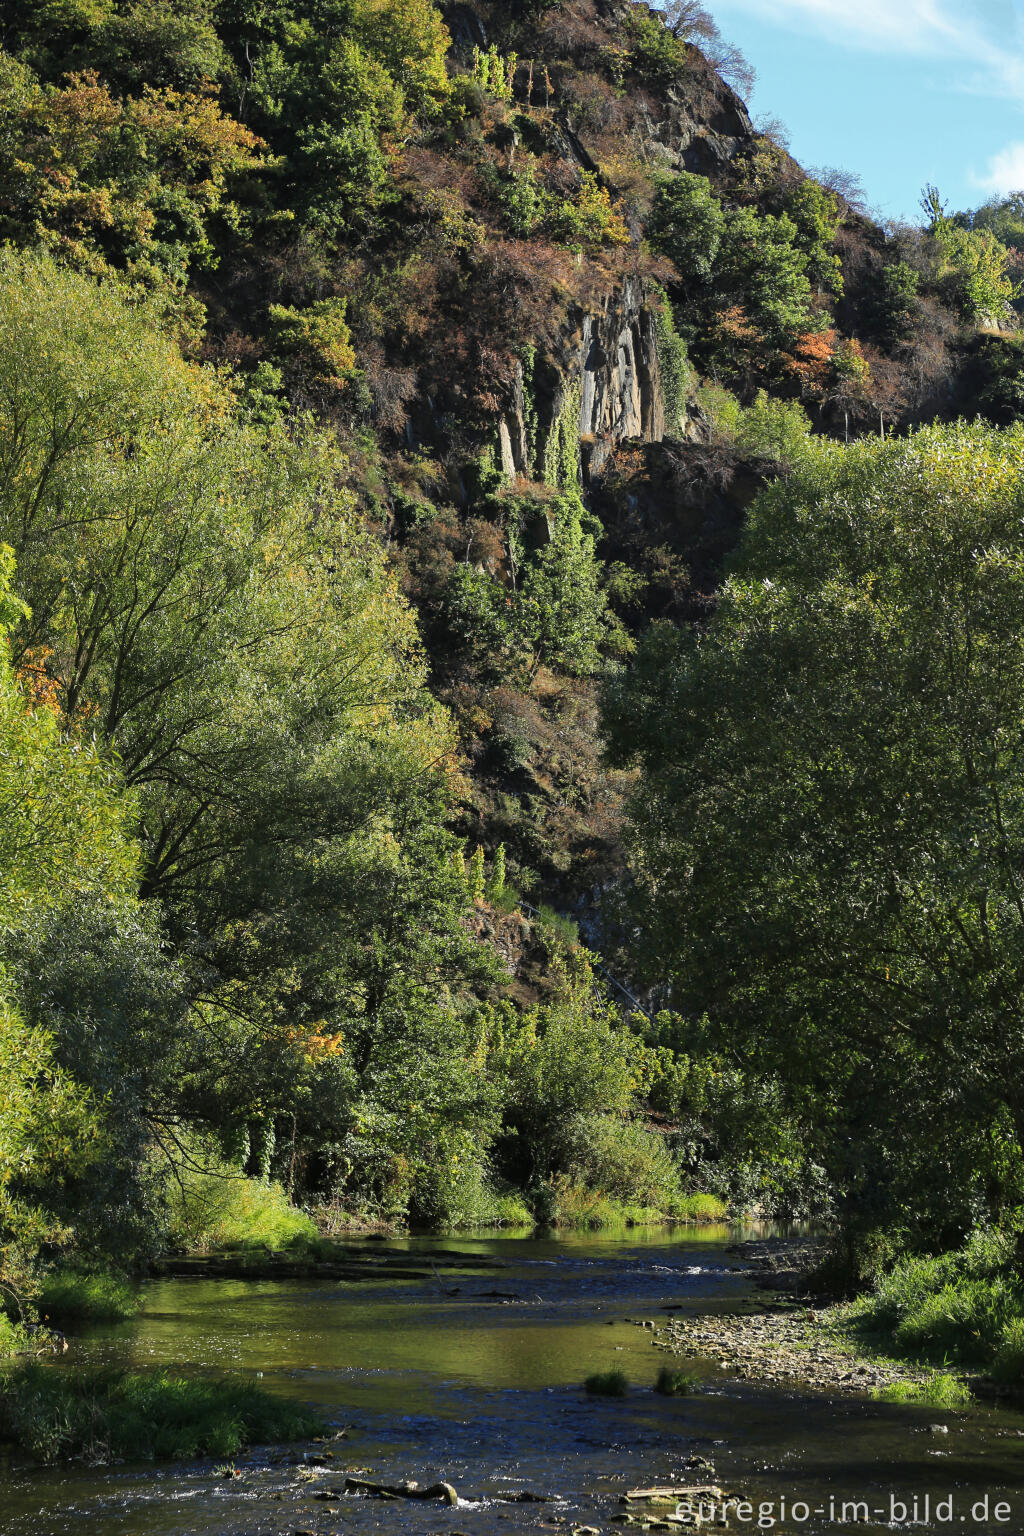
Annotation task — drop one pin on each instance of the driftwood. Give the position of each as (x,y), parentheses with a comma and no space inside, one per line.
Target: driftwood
(525,1497)
(671,1494)
(443,1491)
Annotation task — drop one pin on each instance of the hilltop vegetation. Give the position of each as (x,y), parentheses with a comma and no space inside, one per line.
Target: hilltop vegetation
(382,386)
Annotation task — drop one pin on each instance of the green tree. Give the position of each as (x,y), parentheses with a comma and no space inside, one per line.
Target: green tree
(208,608)
(562,609)
(829,829)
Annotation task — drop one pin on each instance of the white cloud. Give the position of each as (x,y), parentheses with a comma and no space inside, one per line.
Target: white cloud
(1005,170)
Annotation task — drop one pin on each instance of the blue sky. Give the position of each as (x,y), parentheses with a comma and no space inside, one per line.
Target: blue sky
(900,92)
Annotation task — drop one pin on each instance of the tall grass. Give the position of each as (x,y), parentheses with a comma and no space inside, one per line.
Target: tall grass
(54,1415)
(215,1207)
(607,1384)
(964,1308)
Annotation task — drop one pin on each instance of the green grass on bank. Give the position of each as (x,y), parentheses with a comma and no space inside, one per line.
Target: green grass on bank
(942,1390)
(964,1309)
(577,1208)
(102,1416)
(76,1296)
(217,1208)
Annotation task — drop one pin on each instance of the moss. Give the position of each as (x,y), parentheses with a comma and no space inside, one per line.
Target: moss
(55,1415)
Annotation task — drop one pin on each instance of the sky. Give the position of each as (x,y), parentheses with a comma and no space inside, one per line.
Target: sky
(900,92)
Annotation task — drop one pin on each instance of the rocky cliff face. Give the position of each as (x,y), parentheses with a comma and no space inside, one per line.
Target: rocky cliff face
(600,382)
(601,385)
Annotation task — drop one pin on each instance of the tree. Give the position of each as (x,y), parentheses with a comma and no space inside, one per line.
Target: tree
(829,829)
(209,609)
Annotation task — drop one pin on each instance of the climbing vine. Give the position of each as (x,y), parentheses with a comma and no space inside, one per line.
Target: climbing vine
(562,467)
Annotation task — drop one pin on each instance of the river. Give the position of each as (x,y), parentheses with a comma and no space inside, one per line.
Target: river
(483,1390)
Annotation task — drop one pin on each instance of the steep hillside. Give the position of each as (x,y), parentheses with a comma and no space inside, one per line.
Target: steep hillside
(528,261)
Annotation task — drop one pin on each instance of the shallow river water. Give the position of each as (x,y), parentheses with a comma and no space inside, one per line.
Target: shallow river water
(484,1391)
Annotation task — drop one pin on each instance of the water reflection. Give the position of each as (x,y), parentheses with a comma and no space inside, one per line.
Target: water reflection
(484,1390)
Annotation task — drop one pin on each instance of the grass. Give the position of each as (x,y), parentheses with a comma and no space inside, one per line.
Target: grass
(217,1209)
(72,1295)
(943,1390)
(700,1208)
(579,1208)
(672,1383)
(963,1309)
(100,1416)
(607,1384)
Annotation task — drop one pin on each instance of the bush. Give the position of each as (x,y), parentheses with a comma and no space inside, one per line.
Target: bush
(73,1294)
(102,1415)
(15,1339)
(607,1384)
(673,1383)
(622,1159)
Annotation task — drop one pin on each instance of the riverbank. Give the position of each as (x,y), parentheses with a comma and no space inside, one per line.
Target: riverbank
(795,1345)
(933,1330)
(475,1378)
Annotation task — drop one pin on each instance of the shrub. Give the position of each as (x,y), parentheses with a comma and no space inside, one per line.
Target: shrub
(607,1384)
(673,1383)
(622,1159)
(14,1337)
(102,1415)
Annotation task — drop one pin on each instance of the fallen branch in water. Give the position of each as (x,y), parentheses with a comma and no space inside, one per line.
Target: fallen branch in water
(443,1491)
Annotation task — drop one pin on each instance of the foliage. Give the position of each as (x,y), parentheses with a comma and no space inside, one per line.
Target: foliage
(774,429)
(565,1059)
(744,274)
(136,182)
(316,341)
(816,216)
(973,263)
(827,835)
(589,220)
(212,1206)
(622,1159)
(76,1294)
(104,1416)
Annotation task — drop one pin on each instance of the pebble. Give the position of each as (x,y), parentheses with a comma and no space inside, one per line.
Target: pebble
(780,1347)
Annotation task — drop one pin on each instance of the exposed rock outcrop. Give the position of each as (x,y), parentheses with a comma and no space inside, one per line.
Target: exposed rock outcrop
(601,386)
